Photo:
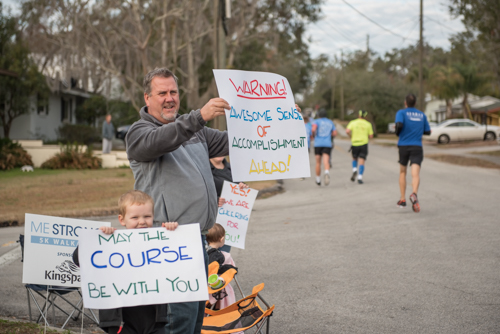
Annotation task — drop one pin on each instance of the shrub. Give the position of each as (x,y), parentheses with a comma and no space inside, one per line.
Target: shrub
(73,157)
(78,133)
(13,155)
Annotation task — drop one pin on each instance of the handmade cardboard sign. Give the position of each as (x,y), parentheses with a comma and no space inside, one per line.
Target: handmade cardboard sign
(142,267)
(49,243)
(267,136)
(234,215)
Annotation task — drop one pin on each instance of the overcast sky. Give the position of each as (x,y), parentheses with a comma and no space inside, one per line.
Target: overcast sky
(396,25)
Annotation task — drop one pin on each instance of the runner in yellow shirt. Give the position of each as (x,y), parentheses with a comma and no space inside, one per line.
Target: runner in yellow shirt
(360,131)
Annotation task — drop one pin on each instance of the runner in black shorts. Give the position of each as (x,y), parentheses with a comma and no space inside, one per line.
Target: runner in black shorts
(411,124)
(414,154)
(323,131)
(360,131)
(359,151)
(322,150)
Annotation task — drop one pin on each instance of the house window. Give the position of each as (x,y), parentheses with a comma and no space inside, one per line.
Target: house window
(64,110)
(41,110)
(43,107)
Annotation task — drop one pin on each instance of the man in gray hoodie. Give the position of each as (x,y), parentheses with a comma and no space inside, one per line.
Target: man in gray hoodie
(169,156)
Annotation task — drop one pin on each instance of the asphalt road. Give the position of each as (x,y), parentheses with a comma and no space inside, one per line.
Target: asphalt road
(345,259)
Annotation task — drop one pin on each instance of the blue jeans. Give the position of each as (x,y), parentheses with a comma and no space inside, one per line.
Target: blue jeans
(187,318)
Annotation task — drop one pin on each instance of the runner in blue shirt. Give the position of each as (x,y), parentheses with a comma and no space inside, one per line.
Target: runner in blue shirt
(323,132)
(411,124)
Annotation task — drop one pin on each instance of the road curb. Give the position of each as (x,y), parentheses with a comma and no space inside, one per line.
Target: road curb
(11,256)
(275,189)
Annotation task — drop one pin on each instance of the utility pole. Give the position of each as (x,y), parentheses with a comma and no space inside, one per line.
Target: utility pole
(219,48)
(368,45)
(341,85)
(421,59)
(332,83)
(219,37)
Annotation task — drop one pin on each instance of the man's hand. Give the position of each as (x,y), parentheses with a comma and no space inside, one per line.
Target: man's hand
(107,229)
(215,107)
(298,108)
(221,201)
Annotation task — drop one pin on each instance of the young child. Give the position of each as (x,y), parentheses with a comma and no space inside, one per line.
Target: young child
(135,211)
(216,237)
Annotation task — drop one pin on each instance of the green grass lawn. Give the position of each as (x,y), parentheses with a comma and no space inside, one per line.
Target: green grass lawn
(15,327)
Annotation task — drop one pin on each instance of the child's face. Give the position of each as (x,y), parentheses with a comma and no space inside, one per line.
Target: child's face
(137,216)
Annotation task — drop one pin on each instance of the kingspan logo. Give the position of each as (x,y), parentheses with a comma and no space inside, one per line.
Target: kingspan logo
(68,272)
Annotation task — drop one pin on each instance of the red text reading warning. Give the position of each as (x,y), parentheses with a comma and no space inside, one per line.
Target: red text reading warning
(261,91)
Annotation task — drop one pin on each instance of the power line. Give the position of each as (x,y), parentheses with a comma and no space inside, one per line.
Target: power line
(442,25)
(399,26)
(413,28)
(341,33)
(325,32)
(369,19)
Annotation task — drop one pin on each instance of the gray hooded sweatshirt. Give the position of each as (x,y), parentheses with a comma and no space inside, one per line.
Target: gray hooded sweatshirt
(171,163)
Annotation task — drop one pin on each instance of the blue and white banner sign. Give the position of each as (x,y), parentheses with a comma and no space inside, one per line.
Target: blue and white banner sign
(49,243)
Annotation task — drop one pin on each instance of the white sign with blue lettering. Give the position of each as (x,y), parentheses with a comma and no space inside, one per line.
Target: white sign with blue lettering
(142,267)
(267,134)
(49,243)
(234,215)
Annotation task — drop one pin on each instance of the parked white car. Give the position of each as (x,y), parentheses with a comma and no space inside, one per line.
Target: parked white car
(391,127)
(462,129)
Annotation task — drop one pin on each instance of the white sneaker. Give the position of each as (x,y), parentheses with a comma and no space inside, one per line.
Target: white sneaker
(326,179)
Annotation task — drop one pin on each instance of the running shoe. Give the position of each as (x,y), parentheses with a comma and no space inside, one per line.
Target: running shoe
(401,204)
(327,179)
(360,181)
(318,183)
(414,201)
(353,177)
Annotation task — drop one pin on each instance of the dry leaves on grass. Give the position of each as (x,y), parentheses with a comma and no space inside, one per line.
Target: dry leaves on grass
(68,193)
(462,161)
(12,327)
(493,153)
(63,193)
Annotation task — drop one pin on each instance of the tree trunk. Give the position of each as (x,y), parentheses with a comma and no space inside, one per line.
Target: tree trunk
(7,120)
(164,39)
(448,108)
(464,106)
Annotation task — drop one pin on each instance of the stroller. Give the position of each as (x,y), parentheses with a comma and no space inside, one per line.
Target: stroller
(244,315)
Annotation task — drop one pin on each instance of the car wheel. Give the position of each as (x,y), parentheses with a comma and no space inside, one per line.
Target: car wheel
(443,139)
(489,136)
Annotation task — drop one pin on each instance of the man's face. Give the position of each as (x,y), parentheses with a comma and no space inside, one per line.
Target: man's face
(163,103)
(108,118)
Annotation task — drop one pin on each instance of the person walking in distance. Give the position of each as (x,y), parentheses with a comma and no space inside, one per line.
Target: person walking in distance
(360,131)
(108,131)
(323,131)
(411,124)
